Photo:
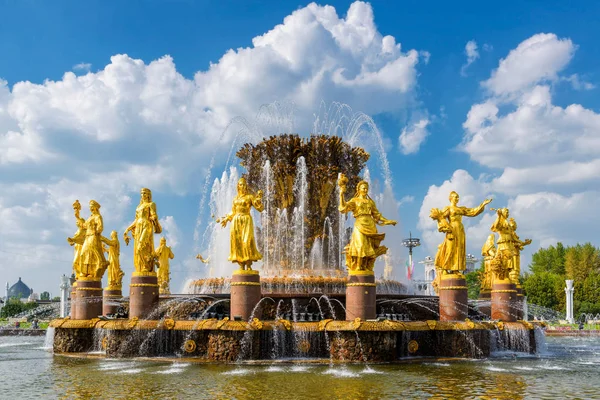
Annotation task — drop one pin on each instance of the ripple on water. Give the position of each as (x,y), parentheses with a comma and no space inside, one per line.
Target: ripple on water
(131,371)
(273,368)
(173,369)
(15,344)
(369,370)
(239,371)
(341,373)
(114,365)
(496,369)
(438,364)
(299,368)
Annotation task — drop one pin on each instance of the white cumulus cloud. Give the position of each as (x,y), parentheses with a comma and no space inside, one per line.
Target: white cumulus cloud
(140,123)
(536,59)
(544,158)
(472,54)
(413,136)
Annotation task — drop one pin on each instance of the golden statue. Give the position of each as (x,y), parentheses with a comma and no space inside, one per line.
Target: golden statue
(451,257)
(502,264)
(92,263)
(445,249)
(488,251)
(143,229)
(518,245)
(243,245)
(364,246)
(163,255)
(77,240)
(113,248)
(205,261)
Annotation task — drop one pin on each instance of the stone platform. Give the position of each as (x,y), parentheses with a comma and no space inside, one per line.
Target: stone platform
(344,341)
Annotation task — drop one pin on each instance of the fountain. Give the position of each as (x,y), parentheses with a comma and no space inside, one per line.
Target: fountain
(315,294)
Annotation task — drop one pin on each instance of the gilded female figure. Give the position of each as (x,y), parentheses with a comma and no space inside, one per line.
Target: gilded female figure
(92,263)
(243,245)
(143,229)
(455,256)
(518,245)
(506,249)
(364,246)
(488,251)
(113,248)
(77,240)
(163,255)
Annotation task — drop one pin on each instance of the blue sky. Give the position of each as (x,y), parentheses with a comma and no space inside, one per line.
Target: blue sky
(63,154)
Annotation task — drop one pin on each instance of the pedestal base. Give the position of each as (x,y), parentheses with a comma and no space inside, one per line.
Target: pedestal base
(453,298)
(88,299)
(360,296)
(245,294)
(143,295)
(110,303)
(504,295)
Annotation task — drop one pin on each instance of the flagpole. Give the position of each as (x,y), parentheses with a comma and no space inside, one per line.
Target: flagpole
(410,243)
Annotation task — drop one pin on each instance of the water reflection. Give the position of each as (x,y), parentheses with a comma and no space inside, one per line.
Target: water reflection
(569,369)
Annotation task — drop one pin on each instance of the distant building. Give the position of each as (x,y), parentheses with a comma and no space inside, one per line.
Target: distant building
(471,261)
(20,291)
(425,286)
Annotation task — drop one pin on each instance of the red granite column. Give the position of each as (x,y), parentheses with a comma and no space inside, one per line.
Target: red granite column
(245,294)
(88,298)
(110,303)
(143,294)
(360,295)
(73,312)
(504,295)
(453,298)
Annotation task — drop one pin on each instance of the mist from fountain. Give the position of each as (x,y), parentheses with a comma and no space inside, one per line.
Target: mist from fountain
(337,119)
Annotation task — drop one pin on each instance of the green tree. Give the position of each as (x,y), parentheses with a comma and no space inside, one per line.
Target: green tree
(545,289)
(473,284)
(551,260)
(56,298)
(581,261)
(45,296)
(14,307)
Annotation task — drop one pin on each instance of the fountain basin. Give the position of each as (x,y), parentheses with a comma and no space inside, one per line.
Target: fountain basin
(344,341)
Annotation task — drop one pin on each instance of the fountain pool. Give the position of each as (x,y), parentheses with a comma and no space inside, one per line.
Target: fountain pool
(567,368)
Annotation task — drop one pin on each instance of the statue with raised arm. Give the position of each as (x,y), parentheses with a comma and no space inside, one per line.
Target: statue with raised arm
(365,242)
(77,240)
(502,264)
(115,273)
(488,251)
(452,253)
(90,261)
(243,244)
(518,246)
(143,228)
(163,255)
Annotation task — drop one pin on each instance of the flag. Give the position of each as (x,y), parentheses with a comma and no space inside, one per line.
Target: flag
(409,269)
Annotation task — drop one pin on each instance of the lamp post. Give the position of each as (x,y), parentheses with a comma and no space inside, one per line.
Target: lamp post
(569,292)
(411,243)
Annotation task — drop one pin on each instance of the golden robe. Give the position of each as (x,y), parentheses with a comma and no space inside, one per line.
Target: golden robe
(365,242)
(92,262)
(243,244)
(455,255)
(164,254)
(115,274)
(146,224)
